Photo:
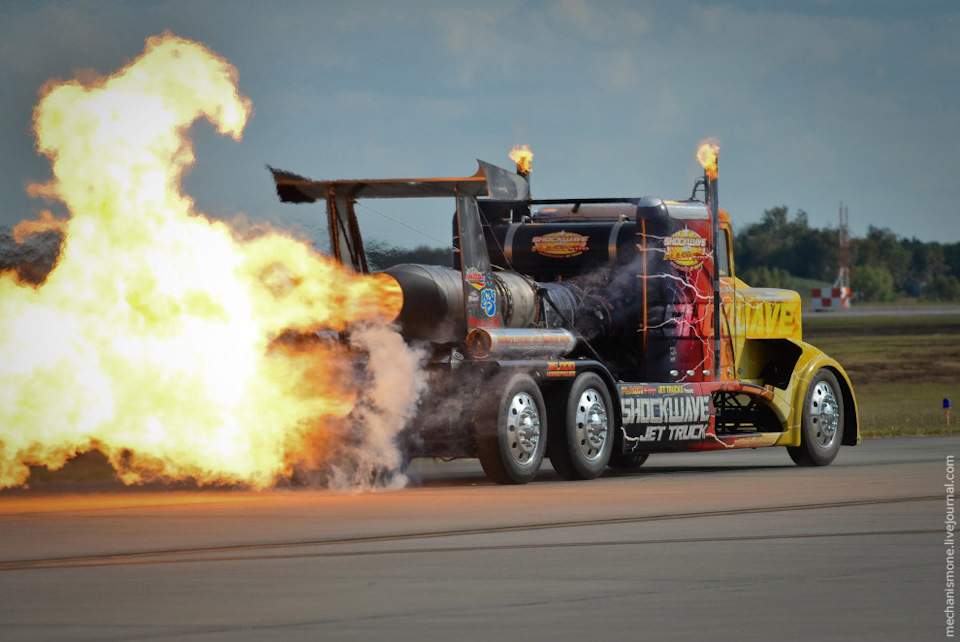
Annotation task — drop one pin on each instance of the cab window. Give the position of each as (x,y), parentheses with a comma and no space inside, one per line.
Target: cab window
(723,253)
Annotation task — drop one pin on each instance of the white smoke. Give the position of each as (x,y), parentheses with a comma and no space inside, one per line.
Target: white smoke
(369,457)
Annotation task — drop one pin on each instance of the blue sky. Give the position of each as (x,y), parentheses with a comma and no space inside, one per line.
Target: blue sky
(812,101)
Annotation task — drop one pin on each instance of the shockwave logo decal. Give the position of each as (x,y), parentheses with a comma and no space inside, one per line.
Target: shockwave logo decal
(757,318)
(488,302)
(684,432)
(665,412)
(560,244)
(475,278)
(671,409)
(685,249)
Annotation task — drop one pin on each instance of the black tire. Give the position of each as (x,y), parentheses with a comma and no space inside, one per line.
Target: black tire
(581,426)
(512,435)
(627,461)
(821,425)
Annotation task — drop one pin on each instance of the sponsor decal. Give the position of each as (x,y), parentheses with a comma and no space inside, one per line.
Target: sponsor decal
(560,244)
(675,389)
(537,338)
(561,368)
(488,302)
(478,322)
(627,389)
(685,249)
(475,278)
(638,389)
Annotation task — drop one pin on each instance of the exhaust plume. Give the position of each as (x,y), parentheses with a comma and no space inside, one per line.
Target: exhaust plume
(160,337)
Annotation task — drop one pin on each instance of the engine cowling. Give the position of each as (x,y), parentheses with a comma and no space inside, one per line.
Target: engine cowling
(433,307)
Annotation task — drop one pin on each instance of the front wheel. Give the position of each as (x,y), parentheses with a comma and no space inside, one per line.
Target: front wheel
(821,425)
(512,435)
(582,438)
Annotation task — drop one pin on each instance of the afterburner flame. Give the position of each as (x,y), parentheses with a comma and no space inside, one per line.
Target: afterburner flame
(46,222)
(161,337)
(523,157)
(707,156)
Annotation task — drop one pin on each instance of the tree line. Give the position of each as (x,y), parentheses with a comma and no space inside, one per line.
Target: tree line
(779,250)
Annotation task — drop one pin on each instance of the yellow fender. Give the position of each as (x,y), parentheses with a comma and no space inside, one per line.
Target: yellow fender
(811,360)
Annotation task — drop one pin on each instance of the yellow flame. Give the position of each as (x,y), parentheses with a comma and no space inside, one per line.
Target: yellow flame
(154,338)
(707,156)
(522,156)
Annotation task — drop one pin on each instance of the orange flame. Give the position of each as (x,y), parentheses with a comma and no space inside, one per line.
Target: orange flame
(46,222)
(522,156)
(155,337)
(707,156)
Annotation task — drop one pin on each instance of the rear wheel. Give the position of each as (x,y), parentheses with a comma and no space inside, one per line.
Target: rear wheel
(582,439)
(821,426)
(512,435)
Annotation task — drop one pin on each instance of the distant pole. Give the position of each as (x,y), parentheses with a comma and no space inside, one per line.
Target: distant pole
(946,409)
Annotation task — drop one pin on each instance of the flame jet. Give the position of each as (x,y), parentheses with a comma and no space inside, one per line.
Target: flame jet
(154,337)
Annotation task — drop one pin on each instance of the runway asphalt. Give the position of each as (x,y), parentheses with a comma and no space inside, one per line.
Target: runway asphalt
(736,545)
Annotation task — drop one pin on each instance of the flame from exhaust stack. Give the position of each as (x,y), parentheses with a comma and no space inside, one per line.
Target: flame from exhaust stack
(153,339)
(523,157)
(707,156)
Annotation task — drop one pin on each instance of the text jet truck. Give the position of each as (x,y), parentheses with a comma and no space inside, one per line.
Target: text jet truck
(586,331)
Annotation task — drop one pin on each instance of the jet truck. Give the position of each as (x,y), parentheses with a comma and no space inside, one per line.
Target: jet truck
(593,332)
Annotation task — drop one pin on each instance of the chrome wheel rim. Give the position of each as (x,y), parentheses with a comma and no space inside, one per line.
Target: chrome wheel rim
(591,424)
(824,414)
(523,428)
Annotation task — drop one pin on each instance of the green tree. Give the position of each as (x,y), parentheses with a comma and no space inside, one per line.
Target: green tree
(872,283)
(764,277)
(942,288)
(951,255)
(882,248)
(789,245)
(927,260)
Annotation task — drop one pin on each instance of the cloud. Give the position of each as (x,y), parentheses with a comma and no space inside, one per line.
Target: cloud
(602,22)
(762,42)
(381,88)
(483,41)
(51,39)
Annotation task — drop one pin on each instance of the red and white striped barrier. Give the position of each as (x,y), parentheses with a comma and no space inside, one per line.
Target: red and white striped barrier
(830,298)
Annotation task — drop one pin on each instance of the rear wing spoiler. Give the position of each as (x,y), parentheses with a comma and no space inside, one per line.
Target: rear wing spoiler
(481,307)
(346,245)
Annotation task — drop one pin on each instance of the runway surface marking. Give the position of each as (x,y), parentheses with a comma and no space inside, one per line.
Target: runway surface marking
(233,553)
